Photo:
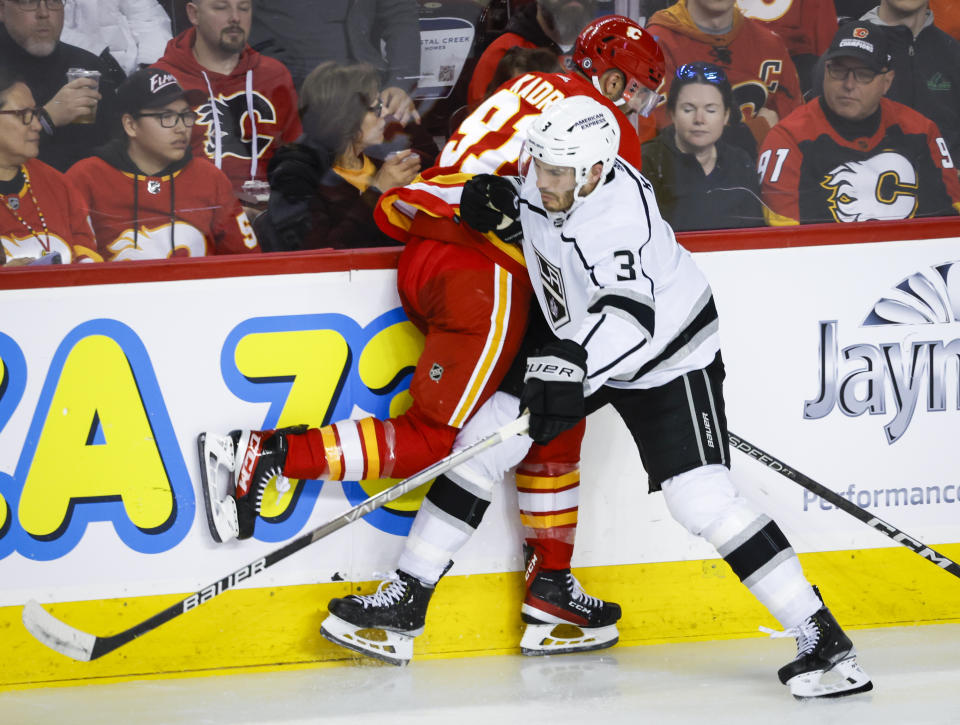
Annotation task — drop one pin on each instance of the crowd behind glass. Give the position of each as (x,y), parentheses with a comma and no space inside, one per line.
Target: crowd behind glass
(145,129)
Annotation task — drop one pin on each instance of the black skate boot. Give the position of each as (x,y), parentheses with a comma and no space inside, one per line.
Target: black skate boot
(251,459)
(822,647)
(397,611)
(561,617)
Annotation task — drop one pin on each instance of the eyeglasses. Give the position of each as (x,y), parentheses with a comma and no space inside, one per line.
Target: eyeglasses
(26,114)
(376,108)
(34,5)
(168,119)
(861,75)
(707,71)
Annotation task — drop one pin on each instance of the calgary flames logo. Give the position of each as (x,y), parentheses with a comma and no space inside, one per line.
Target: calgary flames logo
(881,187)
(860,32)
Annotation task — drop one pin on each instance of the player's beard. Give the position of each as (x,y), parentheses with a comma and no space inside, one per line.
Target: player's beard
(565,19)
(233,42)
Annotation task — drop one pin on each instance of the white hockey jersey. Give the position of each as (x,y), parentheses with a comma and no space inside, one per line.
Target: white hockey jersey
(610,275)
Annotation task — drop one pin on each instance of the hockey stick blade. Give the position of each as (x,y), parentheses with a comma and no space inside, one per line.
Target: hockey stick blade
(82,646)
(915,545)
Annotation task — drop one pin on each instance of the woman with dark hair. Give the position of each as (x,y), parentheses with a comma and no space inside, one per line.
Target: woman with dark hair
(701,181)
(324,188)
(41,215)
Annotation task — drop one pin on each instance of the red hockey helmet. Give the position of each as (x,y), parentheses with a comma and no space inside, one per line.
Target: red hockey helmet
(614,41)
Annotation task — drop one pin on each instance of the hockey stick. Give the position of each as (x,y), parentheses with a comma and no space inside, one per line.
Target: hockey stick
(851,508)
(82,646)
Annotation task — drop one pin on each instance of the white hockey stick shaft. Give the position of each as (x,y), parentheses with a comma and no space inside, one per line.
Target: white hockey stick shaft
(83,646)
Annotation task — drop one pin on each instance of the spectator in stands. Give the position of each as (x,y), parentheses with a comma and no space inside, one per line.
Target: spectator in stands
(324,189)
(519,60)
(162,201)
(133,32)
(30,46)
(42,214)
(754,58)
(853,155)
(700,181)
(550,24)
(926,64)
(382,33)
(251,105)
(806,26)
(848,10)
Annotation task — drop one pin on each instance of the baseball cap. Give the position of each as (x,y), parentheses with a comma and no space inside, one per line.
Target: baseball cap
(861,40)
(152,88)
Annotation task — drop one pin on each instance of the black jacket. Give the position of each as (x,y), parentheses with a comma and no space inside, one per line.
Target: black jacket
(46,76)
(313,207)
(689,199)
(926,76)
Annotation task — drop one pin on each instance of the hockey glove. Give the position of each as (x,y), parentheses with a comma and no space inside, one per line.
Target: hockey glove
(492,204)
(553,389)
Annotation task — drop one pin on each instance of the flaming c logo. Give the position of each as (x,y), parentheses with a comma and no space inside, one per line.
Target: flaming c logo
(860,33)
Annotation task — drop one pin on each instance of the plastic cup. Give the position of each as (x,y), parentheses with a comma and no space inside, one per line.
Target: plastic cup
(94,75)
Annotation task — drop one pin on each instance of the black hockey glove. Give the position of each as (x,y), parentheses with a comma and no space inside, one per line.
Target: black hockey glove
(492,204)
(295,171)
(553,389)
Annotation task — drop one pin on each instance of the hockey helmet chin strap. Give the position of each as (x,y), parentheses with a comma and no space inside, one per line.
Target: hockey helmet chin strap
(633,88)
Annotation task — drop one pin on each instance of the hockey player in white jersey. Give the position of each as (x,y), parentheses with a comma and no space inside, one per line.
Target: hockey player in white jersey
(633,325)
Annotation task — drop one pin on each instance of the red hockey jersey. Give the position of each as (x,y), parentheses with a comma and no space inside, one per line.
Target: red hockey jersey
(755,59)
(806,26)
(488,141)
(810,173)
(67,227)
(248,114)
(188,210)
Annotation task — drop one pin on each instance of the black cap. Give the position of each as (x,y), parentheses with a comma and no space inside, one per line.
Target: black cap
(151,88)
(864,41)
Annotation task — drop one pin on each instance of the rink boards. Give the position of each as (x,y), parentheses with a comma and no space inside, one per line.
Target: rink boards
(842,359)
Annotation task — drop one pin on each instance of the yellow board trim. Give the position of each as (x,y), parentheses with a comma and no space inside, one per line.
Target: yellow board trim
(470,615)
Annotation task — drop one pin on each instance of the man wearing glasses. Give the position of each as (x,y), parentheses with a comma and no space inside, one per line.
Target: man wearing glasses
(30,46)
(147,196)
(853,155)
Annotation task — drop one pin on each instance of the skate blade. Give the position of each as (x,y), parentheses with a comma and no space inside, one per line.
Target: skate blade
(557,639)
(216,474)
(382,644)
(847,679)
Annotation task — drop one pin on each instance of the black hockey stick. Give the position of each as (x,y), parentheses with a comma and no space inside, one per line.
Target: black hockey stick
(916,546)
(82,646)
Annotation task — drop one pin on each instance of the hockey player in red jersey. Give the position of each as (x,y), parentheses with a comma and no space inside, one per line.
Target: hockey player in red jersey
(469,293)
(250,104)
(42,213)
(853,155)
(163,202)
(765,83)
(636,328)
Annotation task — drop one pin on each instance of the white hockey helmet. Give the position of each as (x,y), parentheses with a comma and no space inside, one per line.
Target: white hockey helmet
(577,132)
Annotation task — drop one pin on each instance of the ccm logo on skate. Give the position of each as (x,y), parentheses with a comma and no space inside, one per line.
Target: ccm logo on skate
(249,461)
(228,582)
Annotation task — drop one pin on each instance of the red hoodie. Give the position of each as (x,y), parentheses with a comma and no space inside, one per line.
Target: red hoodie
(256,109)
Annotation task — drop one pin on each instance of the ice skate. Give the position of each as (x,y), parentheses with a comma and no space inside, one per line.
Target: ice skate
(235,470)
(383,624)
(561,617)
(823,650)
